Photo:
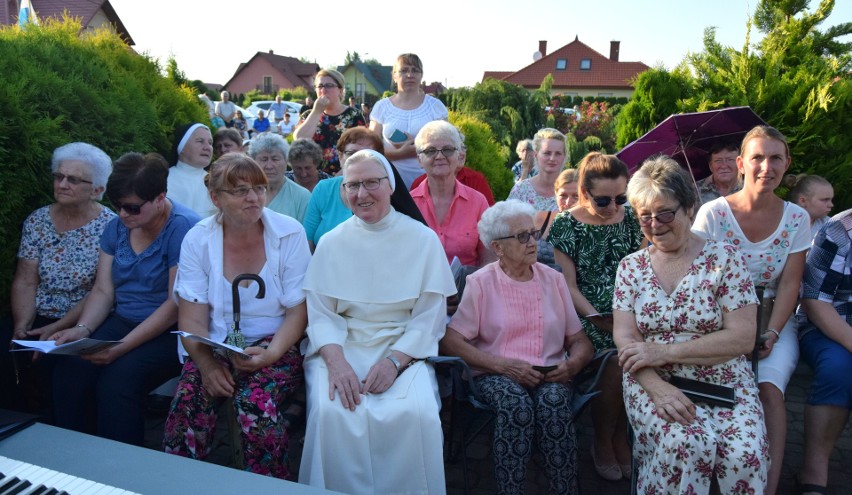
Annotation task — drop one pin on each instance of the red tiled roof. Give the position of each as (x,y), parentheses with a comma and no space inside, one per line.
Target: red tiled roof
(84,9)
(604,73)
(294,70)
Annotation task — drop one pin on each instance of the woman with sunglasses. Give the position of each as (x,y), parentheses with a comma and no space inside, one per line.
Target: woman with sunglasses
(589,240)
(685,308)
(329,117)
(450,208)
(58,256)
(774,236)
(131,302)
(242,238)
(400,117)
(514,326)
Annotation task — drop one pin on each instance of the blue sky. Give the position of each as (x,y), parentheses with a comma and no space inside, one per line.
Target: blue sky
(457,40)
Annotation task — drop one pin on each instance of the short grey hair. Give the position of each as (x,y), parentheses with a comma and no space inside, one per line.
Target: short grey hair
(662,178)
(438,129)
(268,142)
(494,222)
(524,144)
(100,164)
(305,148)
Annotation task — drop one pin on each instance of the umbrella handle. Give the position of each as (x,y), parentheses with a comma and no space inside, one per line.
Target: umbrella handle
(235,294)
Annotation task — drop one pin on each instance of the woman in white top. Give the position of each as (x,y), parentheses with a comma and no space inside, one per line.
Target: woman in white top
(773,236)
(194,150)
(399,118)
(243,237)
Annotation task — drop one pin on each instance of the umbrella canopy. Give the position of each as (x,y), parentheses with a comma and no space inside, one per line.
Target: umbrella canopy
(688,138)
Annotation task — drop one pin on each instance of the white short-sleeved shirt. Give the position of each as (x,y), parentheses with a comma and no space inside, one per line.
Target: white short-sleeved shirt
(765,258)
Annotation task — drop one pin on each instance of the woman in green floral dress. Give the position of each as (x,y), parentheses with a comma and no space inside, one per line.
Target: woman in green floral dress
(590,240)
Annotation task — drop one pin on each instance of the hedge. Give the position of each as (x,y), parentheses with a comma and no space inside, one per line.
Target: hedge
(58,87)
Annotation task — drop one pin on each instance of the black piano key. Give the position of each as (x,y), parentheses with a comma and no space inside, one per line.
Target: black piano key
(17,488)
(52,491)
(39,490)
(7,483)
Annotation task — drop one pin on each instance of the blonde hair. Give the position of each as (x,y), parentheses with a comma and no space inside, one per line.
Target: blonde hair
(548,133)
(567,176)
(766,132)
(338,78)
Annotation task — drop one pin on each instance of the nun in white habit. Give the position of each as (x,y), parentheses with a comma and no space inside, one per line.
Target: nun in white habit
(376,293)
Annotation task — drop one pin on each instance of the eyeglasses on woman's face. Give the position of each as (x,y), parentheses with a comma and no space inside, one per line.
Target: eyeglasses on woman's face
(523,237)
(72,179)
(369,184)
(433,152)
(666,216)
(604,201)
(132,209)
(241,192)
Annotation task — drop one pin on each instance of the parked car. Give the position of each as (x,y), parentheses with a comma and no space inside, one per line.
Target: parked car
(292,108)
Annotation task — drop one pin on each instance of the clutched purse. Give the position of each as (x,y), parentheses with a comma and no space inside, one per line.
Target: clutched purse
(707,393)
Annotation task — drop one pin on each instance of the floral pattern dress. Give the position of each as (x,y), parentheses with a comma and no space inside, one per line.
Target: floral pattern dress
(596,251)
(729,444)
(67,261)
(329,130)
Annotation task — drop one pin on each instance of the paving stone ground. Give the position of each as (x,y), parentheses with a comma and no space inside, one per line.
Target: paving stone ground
(480,466)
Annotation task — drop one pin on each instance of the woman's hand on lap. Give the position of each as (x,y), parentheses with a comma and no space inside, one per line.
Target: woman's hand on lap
(638,355)
(260,358)
(523,373)
(565,372)
(380,378)
(342,378)
(216,379)
(672,405)
(106,356)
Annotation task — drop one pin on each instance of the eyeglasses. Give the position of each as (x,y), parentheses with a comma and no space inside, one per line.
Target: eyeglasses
(412,71)
(241,192)
(662,217)
(604,201)
(72,179)
(130,208)
(369,184)
(432,152)
(326,86)
(523,237)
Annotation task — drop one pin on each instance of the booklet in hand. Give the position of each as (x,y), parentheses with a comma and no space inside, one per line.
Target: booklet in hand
(216,345)
(708,393)
(77,348)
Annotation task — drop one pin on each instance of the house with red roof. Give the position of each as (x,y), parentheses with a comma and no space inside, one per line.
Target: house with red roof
(577,70)
(94,14)
(270,73)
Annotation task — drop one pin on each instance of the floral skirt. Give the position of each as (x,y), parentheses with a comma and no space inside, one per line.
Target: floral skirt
(191,423)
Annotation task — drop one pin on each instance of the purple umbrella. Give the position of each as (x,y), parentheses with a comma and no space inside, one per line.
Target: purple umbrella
(688,137)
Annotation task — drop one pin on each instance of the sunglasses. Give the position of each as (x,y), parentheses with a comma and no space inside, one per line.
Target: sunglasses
(523,237)
(72,179)
(661,217)
(604,201)
(130,208)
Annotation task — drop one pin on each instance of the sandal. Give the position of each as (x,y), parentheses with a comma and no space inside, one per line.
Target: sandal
(802,488)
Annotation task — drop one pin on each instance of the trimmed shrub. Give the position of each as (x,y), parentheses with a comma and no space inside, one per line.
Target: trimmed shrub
(484,154)
(58,87)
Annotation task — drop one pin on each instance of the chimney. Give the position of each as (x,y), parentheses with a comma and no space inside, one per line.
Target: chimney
(271,52)
(614,46)
(542,48)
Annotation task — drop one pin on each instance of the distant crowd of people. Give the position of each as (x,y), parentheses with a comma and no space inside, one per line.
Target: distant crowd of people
(318,274)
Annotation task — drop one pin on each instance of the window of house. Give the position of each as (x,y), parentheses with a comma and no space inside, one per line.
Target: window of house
(605,95)
(586,64)
(561,64)
(267,85)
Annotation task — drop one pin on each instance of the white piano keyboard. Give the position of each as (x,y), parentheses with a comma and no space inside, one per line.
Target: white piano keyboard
(20,478)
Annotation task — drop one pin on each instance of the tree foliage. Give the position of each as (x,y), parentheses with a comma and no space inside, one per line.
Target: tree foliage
(58,87)
(510,111)
(795,79)
(484,154)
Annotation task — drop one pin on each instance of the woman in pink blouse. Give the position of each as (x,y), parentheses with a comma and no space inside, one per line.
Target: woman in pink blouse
(514,326)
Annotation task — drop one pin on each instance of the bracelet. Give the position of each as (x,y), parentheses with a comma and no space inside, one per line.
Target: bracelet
(396,364)
(776,332)
(592,315)
(83,325)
